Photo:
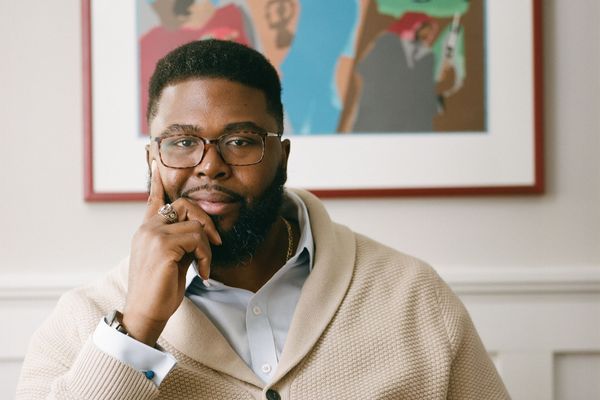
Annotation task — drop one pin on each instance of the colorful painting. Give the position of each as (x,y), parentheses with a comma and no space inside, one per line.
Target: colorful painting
(347,66)
(382,97)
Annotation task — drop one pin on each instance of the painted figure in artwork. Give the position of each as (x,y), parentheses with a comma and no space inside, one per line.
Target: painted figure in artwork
(397,88)
(183,21)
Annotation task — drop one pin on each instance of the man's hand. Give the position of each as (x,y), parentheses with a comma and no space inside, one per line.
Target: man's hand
(160,256)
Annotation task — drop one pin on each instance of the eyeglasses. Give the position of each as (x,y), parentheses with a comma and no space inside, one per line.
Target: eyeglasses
(235,148)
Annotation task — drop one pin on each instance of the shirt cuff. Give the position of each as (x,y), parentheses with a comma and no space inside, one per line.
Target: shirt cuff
(136,354)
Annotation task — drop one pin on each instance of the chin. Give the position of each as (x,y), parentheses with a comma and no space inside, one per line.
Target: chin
(224,223)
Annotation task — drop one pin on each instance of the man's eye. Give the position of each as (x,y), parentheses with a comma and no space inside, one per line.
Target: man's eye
(184,142)
(242,140)
(238,142)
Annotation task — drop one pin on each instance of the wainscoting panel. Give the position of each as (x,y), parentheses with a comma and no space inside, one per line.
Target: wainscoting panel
(541,326)
(577,376)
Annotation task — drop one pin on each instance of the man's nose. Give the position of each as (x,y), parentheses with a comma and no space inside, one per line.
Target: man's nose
(212,164)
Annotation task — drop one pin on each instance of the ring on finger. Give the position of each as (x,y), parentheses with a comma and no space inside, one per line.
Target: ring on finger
(168,213)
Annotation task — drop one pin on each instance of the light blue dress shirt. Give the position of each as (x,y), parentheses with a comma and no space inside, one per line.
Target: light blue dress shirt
(255,324)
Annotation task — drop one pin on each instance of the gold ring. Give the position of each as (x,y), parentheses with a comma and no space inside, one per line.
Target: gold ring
(168,213)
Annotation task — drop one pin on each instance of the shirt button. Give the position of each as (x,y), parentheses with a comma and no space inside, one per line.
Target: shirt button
(273,395)
(266,368)
(257,310)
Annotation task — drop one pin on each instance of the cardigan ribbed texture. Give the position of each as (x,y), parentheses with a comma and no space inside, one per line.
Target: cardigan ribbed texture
(371,323)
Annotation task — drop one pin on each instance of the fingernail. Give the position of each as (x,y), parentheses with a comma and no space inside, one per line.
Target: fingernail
(206,283)
(153,165)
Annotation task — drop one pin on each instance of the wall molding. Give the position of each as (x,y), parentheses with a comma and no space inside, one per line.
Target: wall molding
(35,286)
(524,280)
(463,280)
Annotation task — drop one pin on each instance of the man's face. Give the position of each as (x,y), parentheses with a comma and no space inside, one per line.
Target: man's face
(224,192)
(425,34)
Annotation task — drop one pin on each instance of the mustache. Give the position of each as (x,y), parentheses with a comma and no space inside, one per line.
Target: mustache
(212,188)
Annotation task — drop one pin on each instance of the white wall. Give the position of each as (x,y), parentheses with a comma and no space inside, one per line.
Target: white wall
(502,253)
(41,156)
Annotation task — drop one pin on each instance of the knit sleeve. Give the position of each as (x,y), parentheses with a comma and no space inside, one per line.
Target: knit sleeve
(63,363)
(472,373)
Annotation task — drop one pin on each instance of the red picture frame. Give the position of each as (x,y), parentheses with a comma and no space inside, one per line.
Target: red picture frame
(532,185)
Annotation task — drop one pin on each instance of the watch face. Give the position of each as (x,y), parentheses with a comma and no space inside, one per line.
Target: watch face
(110,318)
(114,320)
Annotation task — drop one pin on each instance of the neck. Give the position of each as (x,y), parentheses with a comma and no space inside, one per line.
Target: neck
(270,256)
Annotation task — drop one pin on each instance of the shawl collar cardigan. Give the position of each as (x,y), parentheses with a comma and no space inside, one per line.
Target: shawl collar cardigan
(370,323)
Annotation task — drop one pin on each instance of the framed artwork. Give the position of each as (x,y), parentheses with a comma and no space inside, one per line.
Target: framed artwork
(381,97)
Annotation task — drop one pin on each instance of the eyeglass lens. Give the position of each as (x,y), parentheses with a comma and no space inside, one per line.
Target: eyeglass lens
(238,148)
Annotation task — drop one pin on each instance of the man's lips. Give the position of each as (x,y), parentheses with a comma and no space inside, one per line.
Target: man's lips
(211,197)
(214,202)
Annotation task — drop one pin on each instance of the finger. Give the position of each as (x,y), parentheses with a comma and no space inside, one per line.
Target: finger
(188,211)
(195,243)
(189,243)
(195,213)
(203,256)
(203,264)
(183,227)
(157,192)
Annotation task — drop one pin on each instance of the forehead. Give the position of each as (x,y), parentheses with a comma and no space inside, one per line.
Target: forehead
(210,104)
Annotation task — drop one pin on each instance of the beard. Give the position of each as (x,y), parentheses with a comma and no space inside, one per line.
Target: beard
(241,241)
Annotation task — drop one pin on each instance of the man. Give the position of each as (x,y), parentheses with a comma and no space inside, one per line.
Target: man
(395,82)
(238,289)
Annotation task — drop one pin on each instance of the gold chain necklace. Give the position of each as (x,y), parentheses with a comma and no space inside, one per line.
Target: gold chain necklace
(290,235)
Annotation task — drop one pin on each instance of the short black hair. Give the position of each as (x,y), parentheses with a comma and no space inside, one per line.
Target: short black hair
(217,59)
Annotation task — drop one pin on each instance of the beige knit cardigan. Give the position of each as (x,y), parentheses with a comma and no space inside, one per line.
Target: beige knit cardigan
(371,323)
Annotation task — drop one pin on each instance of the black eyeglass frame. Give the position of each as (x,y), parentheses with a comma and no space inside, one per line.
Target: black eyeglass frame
(215,142)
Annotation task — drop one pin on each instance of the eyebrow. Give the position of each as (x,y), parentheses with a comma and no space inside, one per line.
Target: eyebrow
(244,125)
(183,129)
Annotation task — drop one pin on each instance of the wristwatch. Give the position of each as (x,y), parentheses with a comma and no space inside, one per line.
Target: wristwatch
(115,320)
